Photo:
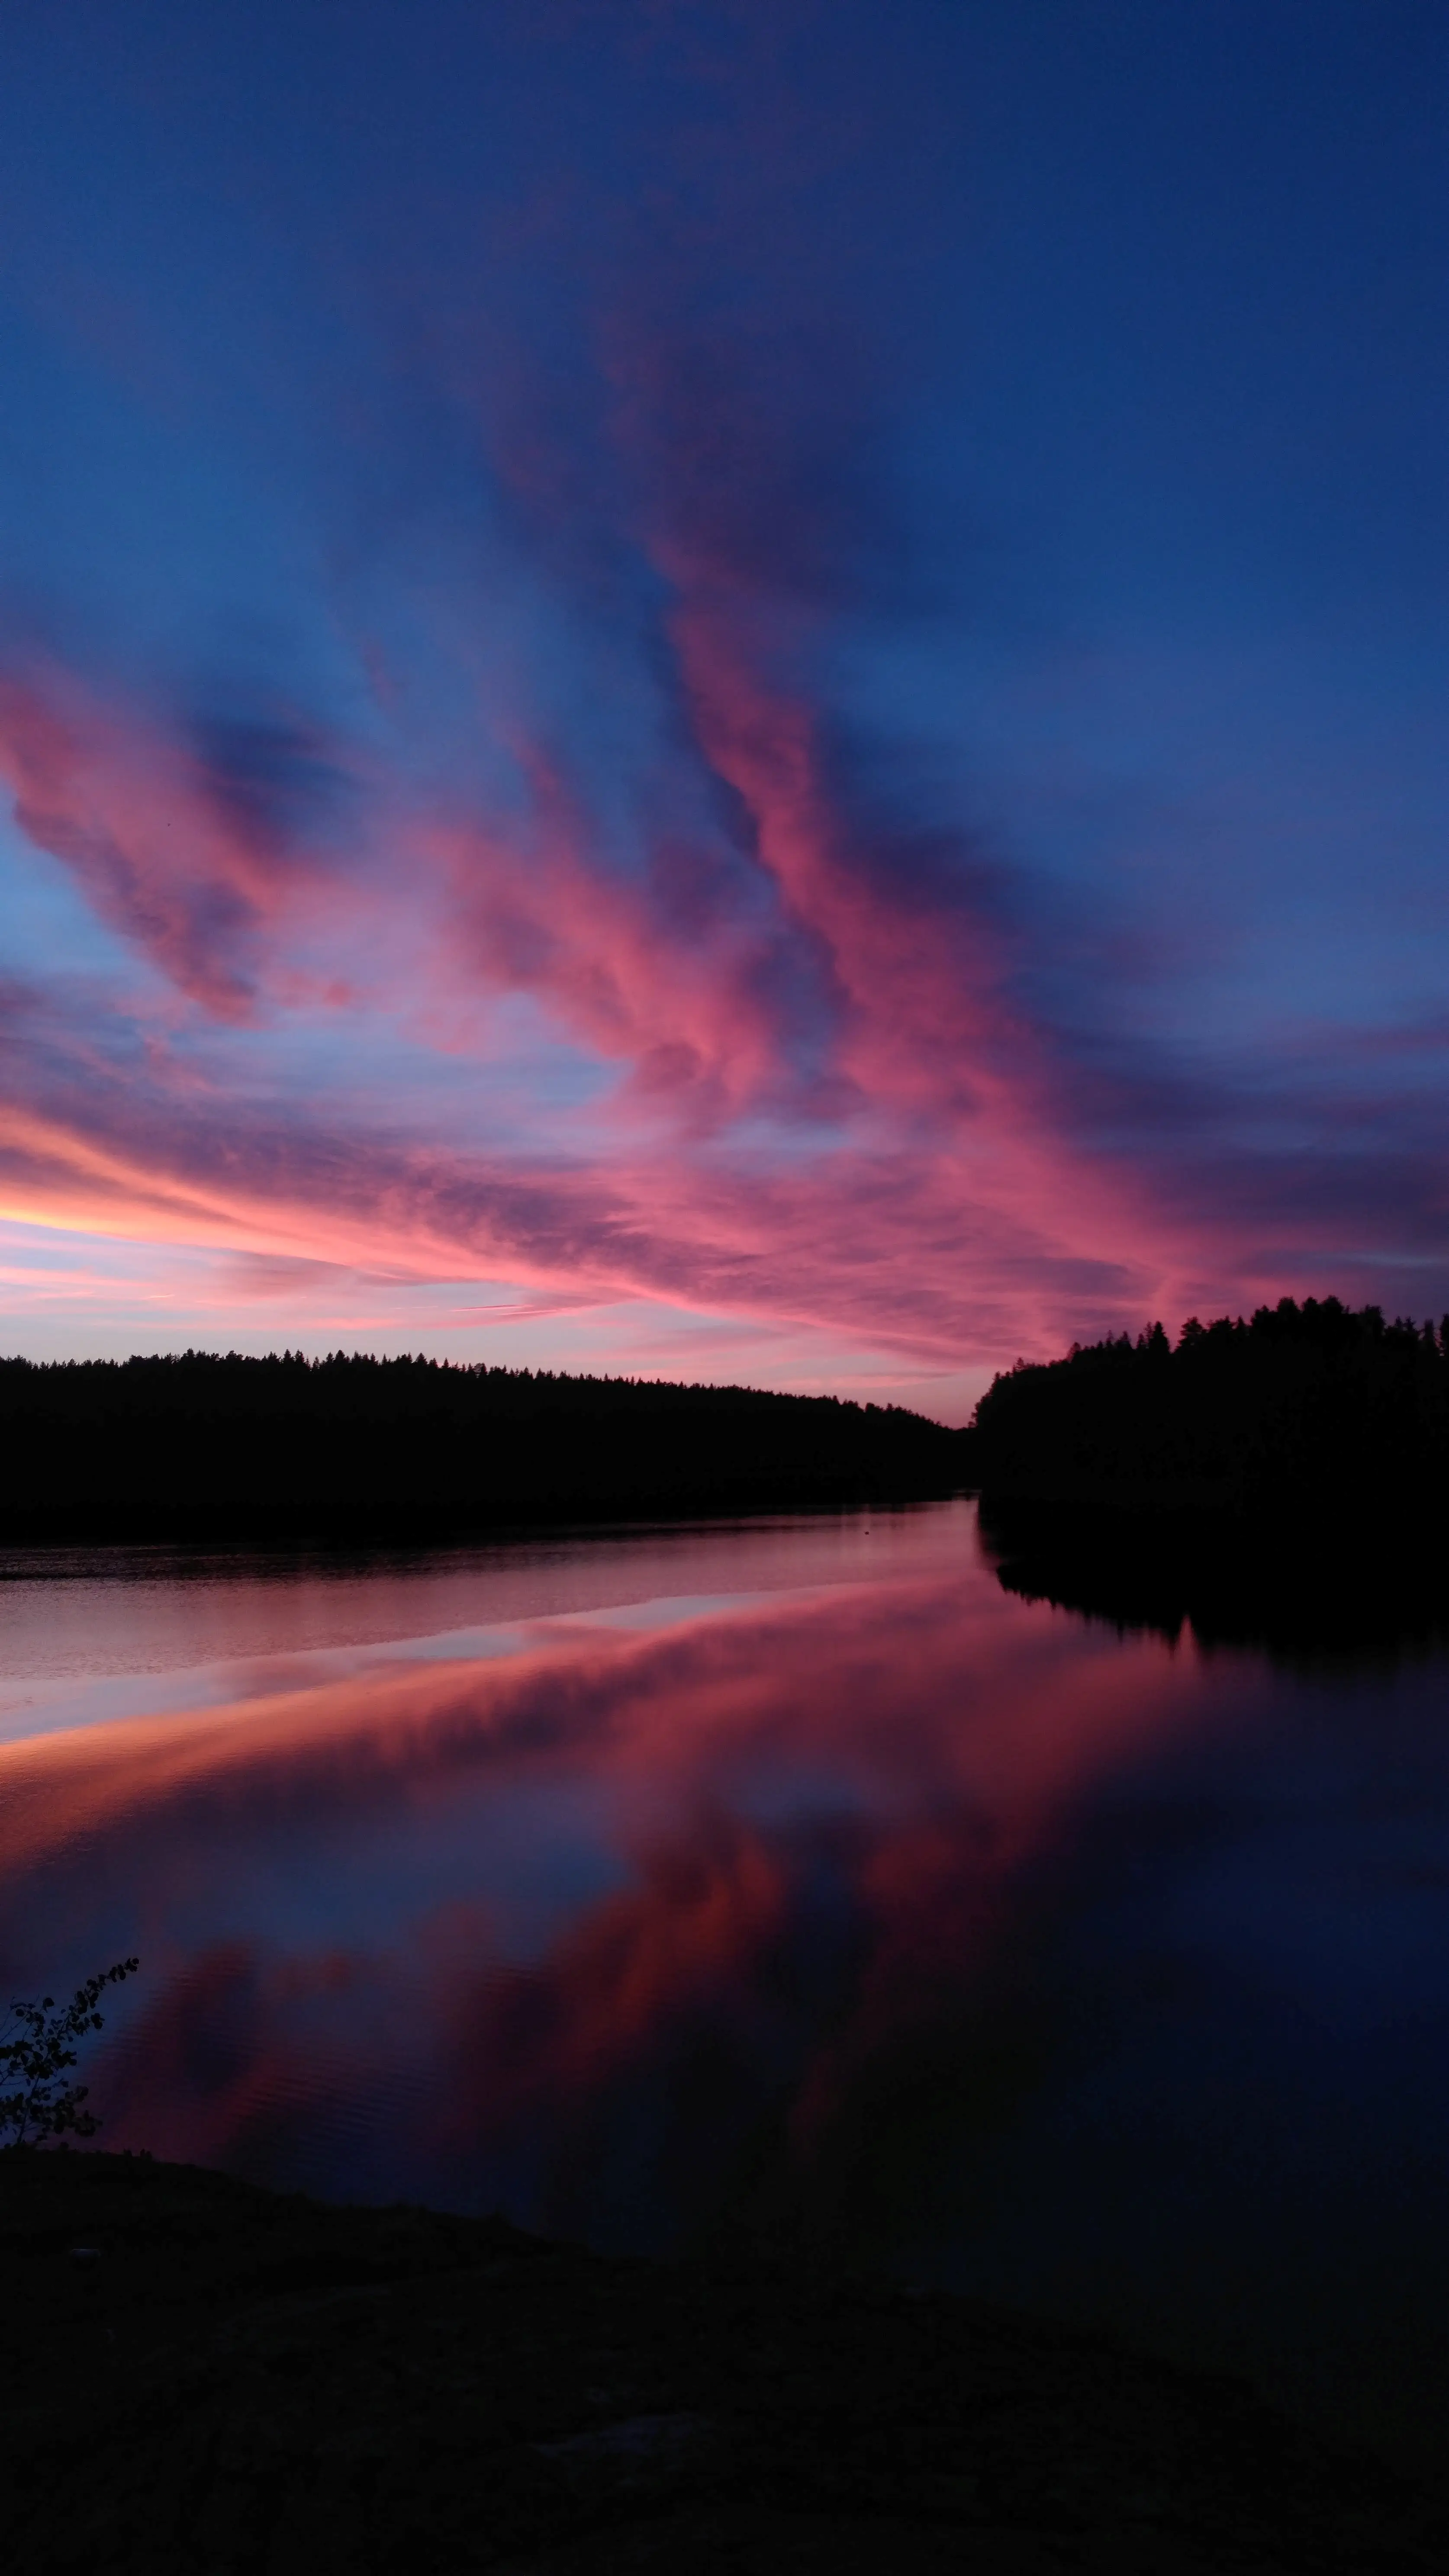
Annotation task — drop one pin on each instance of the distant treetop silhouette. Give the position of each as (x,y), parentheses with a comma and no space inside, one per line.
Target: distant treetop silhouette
(285,1449)
(1292,1406)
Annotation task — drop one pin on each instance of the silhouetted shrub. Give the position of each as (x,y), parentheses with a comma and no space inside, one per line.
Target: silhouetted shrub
(37,2048)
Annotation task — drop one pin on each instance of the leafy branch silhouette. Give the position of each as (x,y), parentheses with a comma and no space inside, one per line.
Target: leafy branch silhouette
(37,2049)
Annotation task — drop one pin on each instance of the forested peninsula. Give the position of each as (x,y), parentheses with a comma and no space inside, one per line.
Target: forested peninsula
(350,1449)
(1287,1407)
(1283,1479)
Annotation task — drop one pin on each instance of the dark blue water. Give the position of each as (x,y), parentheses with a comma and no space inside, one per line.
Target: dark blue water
(785,1882)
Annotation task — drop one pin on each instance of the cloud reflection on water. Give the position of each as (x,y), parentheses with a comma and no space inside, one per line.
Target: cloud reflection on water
(569,1926)
(865,1906)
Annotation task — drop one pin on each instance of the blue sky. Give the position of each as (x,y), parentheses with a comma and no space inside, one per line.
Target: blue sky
(759,688)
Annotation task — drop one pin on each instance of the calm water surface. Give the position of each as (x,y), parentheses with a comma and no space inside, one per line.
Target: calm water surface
(786,1878)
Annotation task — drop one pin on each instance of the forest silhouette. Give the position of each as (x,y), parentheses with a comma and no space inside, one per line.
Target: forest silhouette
(1280,1481)
(284,1450)
(1237,1414)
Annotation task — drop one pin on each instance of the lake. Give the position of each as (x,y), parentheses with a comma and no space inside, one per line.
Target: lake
(785,1882)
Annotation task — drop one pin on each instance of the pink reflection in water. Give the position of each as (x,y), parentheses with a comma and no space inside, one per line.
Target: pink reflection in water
(591,1928)
(823,1892)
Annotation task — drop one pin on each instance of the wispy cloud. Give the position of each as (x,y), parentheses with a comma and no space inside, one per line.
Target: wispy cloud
(537,770)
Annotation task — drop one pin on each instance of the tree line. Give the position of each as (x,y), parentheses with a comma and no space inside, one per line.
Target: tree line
(206,1446)
(1293,1406)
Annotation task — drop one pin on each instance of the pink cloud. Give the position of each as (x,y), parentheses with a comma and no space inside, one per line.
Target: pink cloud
(822,1107)
(596,515)
(175,850)
(939,1252)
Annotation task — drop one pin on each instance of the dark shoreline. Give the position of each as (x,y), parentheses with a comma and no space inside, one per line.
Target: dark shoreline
(186,1559)
(204,1451)
(229,2379)
(365,1528)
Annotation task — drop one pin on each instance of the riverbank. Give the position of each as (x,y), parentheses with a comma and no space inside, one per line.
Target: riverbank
(200,2375)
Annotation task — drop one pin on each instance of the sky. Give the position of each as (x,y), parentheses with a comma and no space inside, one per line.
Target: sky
(728,691)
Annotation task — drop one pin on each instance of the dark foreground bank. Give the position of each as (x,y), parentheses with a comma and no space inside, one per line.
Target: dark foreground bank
(201,2376)
(350,1449)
